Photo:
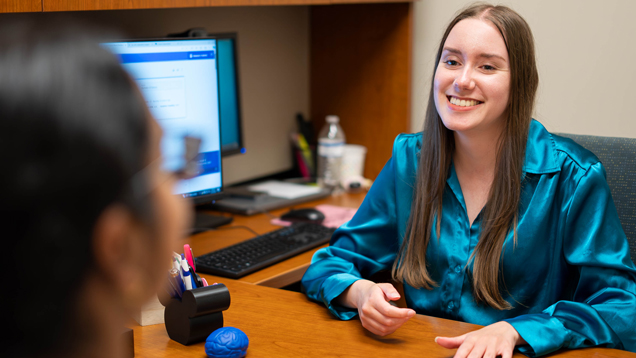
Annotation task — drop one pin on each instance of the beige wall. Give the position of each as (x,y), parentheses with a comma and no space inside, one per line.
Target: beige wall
(274,70)
(586,52)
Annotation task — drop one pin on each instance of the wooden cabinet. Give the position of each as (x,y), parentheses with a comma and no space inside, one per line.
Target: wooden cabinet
(20,5)
(360,70)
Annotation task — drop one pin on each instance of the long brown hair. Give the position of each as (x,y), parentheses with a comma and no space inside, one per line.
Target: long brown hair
(438,144)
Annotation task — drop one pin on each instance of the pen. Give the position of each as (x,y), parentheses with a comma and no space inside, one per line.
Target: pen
(176,282)
(177,259)
(187,279)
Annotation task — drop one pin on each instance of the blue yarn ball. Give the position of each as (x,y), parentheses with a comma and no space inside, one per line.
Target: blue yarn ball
(226,342)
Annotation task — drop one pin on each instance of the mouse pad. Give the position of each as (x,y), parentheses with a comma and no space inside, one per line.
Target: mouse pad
(334,216)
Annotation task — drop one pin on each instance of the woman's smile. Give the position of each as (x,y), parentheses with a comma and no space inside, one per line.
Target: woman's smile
(462,104)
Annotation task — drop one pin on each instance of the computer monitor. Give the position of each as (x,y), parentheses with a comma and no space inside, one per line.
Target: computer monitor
(179,79)
(229,94)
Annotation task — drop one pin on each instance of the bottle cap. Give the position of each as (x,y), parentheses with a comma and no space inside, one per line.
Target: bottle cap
(332,119)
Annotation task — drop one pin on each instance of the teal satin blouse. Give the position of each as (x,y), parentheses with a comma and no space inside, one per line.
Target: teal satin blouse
(569,278)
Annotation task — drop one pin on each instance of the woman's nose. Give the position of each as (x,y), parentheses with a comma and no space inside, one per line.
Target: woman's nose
(465,80)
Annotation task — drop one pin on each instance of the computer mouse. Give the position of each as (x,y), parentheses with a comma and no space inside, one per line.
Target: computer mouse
(307,215)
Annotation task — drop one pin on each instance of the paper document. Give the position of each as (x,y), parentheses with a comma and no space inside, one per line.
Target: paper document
(284,190)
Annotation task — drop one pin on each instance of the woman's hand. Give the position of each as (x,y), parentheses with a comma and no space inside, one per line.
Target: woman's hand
(498,339)
(372,301)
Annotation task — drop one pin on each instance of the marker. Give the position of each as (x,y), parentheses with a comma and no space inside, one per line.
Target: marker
(187,250)
(187,279)
(205,282)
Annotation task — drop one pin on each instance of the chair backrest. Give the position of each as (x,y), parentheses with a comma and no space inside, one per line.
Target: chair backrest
(618,156)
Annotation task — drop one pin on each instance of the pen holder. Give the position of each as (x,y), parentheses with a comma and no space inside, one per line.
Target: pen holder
(197,314)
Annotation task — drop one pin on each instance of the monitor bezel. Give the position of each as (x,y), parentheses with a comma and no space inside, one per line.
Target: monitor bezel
(241,144)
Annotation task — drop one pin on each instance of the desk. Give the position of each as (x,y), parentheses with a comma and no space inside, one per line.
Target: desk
(282,324)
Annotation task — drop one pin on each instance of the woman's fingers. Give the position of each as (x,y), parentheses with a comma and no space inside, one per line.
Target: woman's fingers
(376,313)
(388,310)
(497,339)
(450,342)
(389,291)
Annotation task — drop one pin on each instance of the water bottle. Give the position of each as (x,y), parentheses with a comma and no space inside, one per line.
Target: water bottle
(331,140)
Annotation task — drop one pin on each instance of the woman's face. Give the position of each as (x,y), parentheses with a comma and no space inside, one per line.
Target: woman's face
(472,80)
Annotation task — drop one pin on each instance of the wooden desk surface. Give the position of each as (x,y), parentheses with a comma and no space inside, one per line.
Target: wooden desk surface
(282,324)
(278,275)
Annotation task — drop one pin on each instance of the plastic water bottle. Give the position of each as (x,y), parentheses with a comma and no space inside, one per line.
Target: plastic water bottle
(331,140)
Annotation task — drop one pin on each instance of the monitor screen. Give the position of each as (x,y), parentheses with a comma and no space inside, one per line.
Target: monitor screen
(179,80)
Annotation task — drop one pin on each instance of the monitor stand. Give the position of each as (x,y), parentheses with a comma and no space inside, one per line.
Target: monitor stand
(204,222)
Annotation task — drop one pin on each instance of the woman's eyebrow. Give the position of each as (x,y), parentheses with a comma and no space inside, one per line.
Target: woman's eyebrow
(484,55)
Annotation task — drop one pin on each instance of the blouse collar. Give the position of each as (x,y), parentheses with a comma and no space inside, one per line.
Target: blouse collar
(541,153)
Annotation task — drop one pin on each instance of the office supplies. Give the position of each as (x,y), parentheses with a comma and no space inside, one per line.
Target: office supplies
(175,281)
(187,251)
(304,155)
(187,280)
(307,215)
(248,256)
(285,190)
(305,128)
(197,314)
(227,342)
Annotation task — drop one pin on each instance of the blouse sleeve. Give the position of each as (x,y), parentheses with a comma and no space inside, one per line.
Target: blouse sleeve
(602,309)
(360,248)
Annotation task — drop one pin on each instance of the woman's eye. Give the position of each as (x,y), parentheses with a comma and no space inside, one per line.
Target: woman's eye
(451,62)
(488,67)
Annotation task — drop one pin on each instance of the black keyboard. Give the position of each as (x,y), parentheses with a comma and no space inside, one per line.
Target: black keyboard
(259,252)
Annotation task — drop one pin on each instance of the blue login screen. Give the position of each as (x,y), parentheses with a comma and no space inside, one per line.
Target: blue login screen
(179,81)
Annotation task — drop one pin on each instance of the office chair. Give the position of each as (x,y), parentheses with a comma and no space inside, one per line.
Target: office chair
(618,156)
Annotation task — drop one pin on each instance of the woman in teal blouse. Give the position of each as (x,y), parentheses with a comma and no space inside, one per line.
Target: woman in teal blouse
(485,216)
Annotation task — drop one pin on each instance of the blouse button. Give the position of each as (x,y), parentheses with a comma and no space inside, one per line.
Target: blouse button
(451,305)
(458,269)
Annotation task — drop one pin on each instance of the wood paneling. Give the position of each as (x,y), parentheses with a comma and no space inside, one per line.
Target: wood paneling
(20,5)
(75,5)
(360,71)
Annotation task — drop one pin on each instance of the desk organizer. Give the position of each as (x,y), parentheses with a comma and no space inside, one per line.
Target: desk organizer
(197,314)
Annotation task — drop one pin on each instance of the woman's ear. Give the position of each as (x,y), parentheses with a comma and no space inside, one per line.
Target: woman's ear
(121,259)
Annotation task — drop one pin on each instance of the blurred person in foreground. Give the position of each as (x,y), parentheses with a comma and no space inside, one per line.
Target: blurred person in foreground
(87,215)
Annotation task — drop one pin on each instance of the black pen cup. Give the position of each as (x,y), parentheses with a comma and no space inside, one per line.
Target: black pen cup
(197,314)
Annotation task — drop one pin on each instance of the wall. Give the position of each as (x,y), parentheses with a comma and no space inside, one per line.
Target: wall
(274,70)
(585,52)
